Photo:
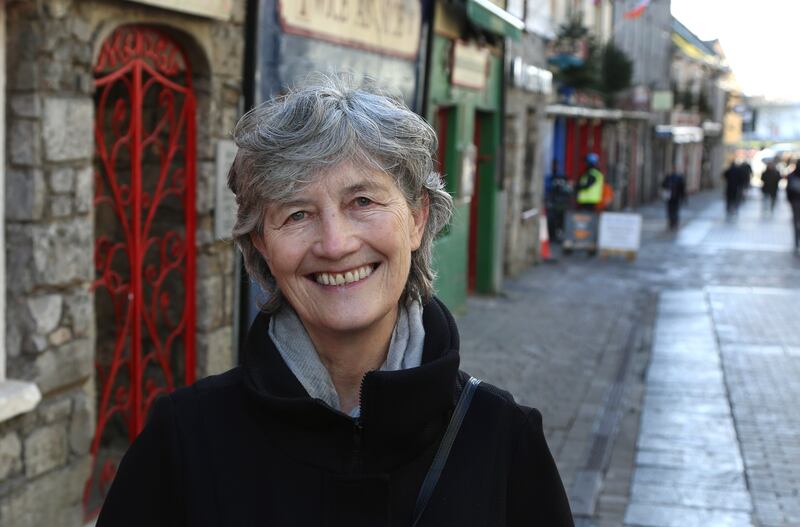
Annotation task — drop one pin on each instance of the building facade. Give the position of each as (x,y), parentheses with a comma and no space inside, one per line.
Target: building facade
(119,282)
(464,104)
(529,87)
(694,135)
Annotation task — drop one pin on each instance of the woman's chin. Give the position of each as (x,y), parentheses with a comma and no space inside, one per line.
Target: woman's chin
(344,319)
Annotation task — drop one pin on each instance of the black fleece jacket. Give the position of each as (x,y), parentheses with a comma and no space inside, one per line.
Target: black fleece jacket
(250,447)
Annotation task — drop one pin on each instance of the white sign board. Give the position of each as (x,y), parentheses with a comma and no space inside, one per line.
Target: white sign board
(225,204)
(619,231)
(220,9)
(470,65)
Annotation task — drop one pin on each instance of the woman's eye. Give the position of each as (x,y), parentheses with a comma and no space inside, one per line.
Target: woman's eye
(297,216)
(363,202)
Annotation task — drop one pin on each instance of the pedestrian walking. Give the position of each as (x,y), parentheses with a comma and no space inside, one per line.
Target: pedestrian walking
(731,177)
(770,179)
(745,175)
(793,195)
(349,397)
(674,189)
(589,190)
(557,200)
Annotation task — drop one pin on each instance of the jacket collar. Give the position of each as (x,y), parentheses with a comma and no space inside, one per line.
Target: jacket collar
(402,412)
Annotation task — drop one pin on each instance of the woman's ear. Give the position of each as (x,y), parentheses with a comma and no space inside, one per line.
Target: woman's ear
(258,242)
(419,216)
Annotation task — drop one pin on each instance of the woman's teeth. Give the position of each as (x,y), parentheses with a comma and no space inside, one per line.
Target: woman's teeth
(344,278)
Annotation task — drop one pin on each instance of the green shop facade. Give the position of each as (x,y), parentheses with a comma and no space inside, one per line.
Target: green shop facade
(464,103)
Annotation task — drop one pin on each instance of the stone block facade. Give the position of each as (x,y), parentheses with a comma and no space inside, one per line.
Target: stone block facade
(525,140)
(49,225)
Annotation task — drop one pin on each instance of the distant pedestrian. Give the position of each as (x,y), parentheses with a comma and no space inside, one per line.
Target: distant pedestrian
(793,195)
(731,176)
(770,179)
(674,190)
(557,200)
(589,191)
(745,174)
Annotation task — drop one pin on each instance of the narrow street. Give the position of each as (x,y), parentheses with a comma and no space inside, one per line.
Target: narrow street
(669,384)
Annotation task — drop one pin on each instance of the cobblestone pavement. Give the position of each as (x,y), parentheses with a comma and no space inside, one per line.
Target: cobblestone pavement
(684,352)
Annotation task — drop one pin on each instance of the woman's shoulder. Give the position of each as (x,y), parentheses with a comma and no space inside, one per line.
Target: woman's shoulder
(497,402)
(189,403)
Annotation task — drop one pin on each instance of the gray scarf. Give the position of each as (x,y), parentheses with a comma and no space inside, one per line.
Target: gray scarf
(295,346)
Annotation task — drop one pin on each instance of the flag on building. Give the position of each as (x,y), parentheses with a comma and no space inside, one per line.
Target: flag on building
(637,11)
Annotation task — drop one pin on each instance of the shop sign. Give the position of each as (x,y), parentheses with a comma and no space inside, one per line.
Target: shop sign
(391,27)
(620,231)
(470,66)
(219,9)
(530,78)
(662,101)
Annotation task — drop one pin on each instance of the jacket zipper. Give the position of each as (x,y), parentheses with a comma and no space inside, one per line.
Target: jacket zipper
(358,430)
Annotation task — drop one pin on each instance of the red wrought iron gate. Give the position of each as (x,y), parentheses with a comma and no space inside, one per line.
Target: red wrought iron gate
(144,249)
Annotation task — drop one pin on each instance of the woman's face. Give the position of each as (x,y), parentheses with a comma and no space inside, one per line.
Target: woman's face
(340,250)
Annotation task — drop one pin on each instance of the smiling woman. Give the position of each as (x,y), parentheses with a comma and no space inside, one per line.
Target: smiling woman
(349,408)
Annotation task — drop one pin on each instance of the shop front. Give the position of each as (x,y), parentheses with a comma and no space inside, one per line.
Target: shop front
(464,104)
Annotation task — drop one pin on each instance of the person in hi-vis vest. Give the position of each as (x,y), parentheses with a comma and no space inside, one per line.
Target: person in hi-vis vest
(589,191)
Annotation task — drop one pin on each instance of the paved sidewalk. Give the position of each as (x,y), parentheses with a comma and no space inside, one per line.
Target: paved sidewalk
(759,334)
(689,469)
(715,440)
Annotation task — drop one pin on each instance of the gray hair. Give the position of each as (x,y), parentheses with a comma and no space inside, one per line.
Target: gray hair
(288,142)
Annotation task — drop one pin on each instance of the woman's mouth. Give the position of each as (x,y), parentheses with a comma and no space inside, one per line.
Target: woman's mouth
(348,277)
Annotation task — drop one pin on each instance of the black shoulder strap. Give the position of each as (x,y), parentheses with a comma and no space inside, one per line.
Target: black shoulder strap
(432,477)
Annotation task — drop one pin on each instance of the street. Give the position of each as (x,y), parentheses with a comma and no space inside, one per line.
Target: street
(669,384)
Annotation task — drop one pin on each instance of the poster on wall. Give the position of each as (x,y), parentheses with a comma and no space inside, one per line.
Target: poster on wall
(391,28)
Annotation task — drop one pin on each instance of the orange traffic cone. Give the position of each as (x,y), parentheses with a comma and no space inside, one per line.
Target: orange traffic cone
(544,238)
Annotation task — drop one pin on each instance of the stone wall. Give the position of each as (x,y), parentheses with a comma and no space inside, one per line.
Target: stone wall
(50,319)
(525,119)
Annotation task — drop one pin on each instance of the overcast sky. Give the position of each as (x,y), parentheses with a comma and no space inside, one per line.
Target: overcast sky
(761,39)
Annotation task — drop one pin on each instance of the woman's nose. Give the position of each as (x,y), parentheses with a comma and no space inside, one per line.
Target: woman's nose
(337,237)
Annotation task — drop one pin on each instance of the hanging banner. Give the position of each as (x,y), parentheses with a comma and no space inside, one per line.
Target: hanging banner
(389,27)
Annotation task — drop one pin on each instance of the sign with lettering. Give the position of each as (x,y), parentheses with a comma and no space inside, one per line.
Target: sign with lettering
(470,65)
(620,231)
(391,27)
(219,9)
(530,78)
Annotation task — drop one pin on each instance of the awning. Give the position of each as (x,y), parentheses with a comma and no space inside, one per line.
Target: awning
(710,128)
(490,17)
(605,114)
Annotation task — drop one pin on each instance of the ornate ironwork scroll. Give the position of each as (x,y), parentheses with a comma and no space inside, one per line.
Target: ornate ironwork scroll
(144,249)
